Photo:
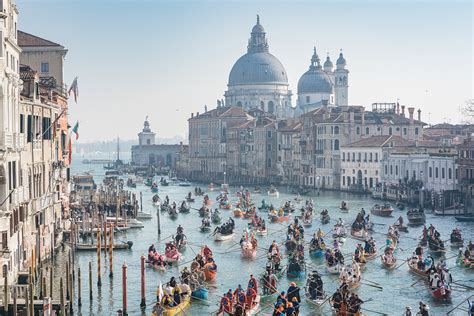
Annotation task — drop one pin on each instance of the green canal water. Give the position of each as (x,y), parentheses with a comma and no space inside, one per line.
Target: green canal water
(233,270)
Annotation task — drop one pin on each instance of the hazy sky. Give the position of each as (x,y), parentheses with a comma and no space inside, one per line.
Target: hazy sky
(167,59)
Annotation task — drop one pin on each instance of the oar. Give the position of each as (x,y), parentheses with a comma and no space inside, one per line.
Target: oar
(457,306)
(372,311)
(373,285)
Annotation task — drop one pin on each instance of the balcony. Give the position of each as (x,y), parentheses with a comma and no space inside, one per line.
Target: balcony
(6,140)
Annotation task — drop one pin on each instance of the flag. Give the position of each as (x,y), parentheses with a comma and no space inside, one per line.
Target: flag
(70,150)
(74,89)
(75,129)
(159,292)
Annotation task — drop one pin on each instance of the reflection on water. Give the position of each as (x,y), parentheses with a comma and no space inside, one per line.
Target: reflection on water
(400,288)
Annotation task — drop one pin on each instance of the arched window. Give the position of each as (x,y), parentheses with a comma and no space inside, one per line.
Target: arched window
(336,144)
(239,104)
(367,131)
(358,130)
(271,107)
(336,130)
(450,173)
(416,131)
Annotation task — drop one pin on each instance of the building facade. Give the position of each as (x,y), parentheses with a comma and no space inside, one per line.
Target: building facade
(149,154)
(465,174)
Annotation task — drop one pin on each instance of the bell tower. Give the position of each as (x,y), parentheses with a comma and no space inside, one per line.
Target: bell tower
(146,136)
(341,81)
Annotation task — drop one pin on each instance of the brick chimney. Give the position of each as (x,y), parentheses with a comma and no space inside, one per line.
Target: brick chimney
(192,115)
(403,110)
(398,108)
(419,115)
(410,112)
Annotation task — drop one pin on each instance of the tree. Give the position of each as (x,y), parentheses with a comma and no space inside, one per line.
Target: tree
(468,110)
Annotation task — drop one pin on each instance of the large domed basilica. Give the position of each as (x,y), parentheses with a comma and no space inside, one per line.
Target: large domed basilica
(259,80)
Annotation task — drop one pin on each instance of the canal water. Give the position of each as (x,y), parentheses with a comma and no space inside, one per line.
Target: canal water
(398,289)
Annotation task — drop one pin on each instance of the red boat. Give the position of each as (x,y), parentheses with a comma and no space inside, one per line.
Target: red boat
(442,293)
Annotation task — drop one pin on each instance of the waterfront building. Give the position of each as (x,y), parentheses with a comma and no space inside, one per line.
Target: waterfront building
(208,134)
(289,150)
(149,154)
(362,161)
(465,173)
(34,166)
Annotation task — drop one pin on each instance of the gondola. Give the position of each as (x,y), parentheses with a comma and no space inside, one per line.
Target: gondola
(371,256)
(143,215)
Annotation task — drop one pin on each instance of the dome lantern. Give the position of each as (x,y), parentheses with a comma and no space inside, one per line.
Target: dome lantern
(341,61)
(328,64)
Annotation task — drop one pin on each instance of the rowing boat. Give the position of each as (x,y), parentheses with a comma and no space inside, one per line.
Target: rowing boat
(388,265)
(360,234)
(143,216)
(441,293)
(220,237)
(122,246)
(209,273)
(335,269)
(176,310)
(200,293)
(318,302)
(412,265)
(238,212)
(371,256)
(278,219)
(382,210)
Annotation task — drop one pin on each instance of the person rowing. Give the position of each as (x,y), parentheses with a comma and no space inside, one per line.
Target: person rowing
(315,286)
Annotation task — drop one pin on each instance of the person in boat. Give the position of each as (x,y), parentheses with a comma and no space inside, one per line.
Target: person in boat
(456,235)
(419,251)
(173,207)
(167,301)
(337,299)
(225,304)
(446,276)
(167,200)
(184,205)
(293,292)
(315,286)
(158,309)
(185,276)
(407,311)
(253,283)
(423,309)
(250,296)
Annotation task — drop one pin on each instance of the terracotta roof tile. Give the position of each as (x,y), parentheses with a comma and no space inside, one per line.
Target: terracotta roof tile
(29,40)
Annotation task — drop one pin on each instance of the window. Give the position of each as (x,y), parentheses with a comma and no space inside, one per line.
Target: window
(353,156)
(404,131)
(376,157)
(307,99)
(367,131)
(343,181)
(365,157)
(390,131)
(271,107)
(47,133)
(262,106)
(45,67)
(370,157)
(22,123)
(416,130)
(391,170)
(450,173)
(386,169)
(396,170)
(343,156)
(239,104)
(269,147)
(29,136)
(148,142)
(359,157)
(430,171)
(336,144)
(336,130)
(443,173)
(358,130)
(436,172)
(269,134)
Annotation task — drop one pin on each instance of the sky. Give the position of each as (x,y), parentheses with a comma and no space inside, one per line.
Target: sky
(166,59)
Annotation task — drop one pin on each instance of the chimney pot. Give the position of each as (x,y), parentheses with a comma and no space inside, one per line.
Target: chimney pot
(403,110)
(197,113)
(410,112)
(192,115)
(419,115)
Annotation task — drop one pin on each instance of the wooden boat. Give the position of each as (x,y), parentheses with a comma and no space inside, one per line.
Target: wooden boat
(254,309)
(173,257)
(173,214)
(414,269)
(335,269)
(220,237)
(465,218)
(318,302)
(325,219)
(177,310)
(416,217)
(295,273)
(184,209)
(154,189)
(226,206)
(359,234)
(308,222)
(448,212)
(184,184)
(388,265)
(382,210)
(209,274)
(204,228)
(316,253)
(435,249)
(238,212)
(261,232)
(290,245)
(155,266)
(247,251)
(278,219)
(371,256)
(274,193)
(190,200)
(116,246)
(442,293)
(200,293)
(403,229)
(344,209)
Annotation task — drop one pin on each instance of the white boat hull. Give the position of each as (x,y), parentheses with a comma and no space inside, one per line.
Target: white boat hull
(219,237)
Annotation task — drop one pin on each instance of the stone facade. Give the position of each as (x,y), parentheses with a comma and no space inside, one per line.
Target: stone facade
(147,153)
(465,174)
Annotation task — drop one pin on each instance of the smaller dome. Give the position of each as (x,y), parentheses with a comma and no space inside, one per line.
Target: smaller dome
(341,60)
(328,63)
(315,81)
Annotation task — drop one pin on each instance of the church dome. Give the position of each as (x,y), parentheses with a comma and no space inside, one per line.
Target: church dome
(315,80)
(258,66)
(341,60)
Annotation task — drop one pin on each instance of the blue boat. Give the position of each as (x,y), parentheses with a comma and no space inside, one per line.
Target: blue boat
(202,293)
(295,274)
(318,253)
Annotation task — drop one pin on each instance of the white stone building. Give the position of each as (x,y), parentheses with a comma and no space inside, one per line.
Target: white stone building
(361,161)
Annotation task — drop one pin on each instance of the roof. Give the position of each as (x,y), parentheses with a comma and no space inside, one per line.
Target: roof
(27,73)
(29,40)
(227,111)
(381,141)
(290,125)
